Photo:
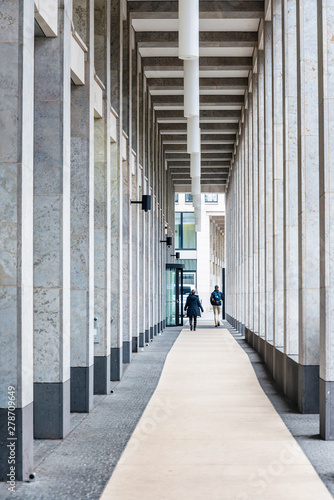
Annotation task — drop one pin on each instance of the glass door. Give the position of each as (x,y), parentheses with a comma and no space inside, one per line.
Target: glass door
(174,295)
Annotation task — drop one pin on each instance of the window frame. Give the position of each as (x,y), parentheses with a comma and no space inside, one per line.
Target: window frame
(210,202)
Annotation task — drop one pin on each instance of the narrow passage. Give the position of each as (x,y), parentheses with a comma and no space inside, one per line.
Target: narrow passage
(209,431)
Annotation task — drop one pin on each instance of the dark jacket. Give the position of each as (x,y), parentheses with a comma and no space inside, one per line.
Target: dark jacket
(193,306)
(216,298)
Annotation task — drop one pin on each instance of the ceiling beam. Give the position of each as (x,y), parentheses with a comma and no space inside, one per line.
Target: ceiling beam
(220,9)
(217,128)
(204,83)
(205,100)
(206,39)
(205,63)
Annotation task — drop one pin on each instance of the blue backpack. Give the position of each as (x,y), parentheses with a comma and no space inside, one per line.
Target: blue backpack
(216,298)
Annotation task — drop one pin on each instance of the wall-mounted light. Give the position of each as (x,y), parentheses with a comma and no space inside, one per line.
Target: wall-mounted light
(168,240)
(176,255)
(146,202)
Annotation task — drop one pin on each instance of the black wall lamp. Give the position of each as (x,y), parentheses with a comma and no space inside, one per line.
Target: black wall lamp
(176,255)
(146,202)
(168,240)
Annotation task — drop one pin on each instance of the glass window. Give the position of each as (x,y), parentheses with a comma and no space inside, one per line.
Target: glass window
(211,198)
(178,229)
(189,233)
(176,197)
(188,198)
(185,233)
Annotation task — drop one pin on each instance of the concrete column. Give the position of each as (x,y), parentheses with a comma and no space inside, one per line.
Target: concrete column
(326,126)
(246,217)
(290,141)
(261,199)
(308,166)
(102,207)
(16,234)
(268,138)
(255,206)
(127,184)
(82,219)
(278,187)
(116,48)
(250,212)
(52,231)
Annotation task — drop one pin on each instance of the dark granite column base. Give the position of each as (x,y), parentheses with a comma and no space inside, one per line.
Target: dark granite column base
(326,409)
(151,333)
(159,327)
(82,388)
(18,452)
(142,339)
(127,349)
(135,344)
(147,336)
(164,324)
(101,374)
(308,389)
(116,363)
(51,410)
(155,330)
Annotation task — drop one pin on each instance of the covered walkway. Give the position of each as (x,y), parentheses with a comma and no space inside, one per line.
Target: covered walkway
(219,437)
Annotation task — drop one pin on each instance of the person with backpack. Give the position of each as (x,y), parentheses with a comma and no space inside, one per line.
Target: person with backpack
(193,307)
(216,302)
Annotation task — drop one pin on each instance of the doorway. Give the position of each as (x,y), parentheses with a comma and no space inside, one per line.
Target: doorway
(174,294)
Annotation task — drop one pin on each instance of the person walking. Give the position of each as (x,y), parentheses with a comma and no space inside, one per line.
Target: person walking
(216,302)
(193,308)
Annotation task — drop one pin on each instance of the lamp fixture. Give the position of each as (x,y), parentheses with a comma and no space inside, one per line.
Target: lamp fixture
(146,202)
(168,240)
(176,255)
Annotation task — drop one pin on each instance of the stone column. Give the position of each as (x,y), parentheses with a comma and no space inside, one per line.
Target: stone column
(308,167)
(268,138)
(102,207)
(278,188)
(16,235)
(82,219)
(116,48)
(290,141)
(246,218)
(250,216)
(52,234)
(127,186)
(261,200)
(255,206)
(326,127)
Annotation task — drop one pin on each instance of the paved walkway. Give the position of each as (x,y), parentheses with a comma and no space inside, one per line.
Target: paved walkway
(210,432)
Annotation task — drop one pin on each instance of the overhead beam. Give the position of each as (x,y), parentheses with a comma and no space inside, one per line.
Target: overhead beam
(204,83)
(206,39)
(205,100)
(218,164)
(217,128)
(220,9)
(205,63)
(204,113)
(205,138)
(205,147)
(185,157)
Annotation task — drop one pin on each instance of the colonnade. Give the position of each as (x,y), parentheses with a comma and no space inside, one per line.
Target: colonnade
(279,250)
(82,270)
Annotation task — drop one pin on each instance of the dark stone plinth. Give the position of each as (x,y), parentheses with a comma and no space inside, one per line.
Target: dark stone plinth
(82,388)
(52,410)
(101,374)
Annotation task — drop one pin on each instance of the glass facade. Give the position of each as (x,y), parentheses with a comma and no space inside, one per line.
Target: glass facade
(185,233)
